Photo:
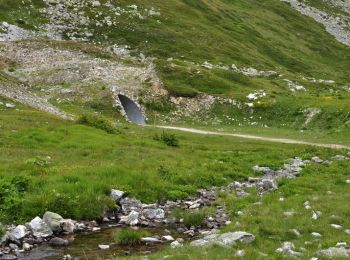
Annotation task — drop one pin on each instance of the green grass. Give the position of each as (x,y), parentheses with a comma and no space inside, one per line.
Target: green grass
(323,186)
(130,237)
(70,168)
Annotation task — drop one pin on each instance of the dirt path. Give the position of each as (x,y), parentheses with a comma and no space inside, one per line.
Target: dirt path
(254,137)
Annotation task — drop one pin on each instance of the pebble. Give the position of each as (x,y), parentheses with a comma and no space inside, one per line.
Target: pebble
(103,247)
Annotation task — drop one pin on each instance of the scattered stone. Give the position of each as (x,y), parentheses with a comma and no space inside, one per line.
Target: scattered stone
(347,231)
(315,234)
(296,232)
(176,244)
(287,249)
(336,226)
(289,213)
(240,253)
(341,244)
(103,247)
(95,229)
(333,252)
(339,158)
(316,215)
(10,105)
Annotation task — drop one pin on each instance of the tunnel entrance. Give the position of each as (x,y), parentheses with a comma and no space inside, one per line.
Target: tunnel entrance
(132,111)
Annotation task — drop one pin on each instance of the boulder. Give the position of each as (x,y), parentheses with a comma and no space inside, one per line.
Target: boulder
(153,213)
(53,220)
(18,233)
(39,228)
(130,204)
(57,241)
(226,239)
(117,194)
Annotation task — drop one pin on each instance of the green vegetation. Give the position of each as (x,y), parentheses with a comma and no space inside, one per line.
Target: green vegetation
(70,168)
(130,237)
(167,138)
(195,219)
(323,186)
(97,122)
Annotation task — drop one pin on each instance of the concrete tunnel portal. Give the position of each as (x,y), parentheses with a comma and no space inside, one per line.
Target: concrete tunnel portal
(132,111)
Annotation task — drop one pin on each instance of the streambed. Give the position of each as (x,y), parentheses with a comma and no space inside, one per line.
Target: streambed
(85,246)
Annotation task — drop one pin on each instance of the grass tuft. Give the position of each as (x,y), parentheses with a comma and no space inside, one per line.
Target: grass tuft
(130,237)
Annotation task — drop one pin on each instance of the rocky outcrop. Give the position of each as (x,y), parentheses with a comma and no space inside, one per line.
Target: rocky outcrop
(338,26)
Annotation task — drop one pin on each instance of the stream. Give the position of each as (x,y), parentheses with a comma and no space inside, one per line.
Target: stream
(85,246)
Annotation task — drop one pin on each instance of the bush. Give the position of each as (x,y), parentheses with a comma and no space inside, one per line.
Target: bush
(10,201)
(97,122)
(130,237)
(168,139)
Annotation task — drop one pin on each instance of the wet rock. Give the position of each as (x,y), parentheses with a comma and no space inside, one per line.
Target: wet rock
(13,246)
(26,246)
(57,241)
(226,239)
(53,220)
(117,194)
(333,252)
(154,213)
(40,228)
(18,233)
(68,226)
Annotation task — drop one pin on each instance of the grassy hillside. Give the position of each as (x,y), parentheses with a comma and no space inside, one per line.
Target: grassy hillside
(266,35)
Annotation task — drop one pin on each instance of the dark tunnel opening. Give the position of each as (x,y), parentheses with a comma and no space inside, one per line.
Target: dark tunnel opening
(132,111)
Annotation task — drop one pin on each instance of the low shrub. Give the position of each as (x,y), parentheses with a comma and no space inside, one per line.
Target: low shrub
(168,139)
(194,219)
(97,122)
(130,237)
